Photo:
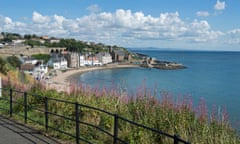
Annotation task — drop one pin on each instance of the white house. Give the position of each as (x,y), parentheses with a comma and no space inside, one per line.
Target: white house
(18,41)
(54,41)
(41,68)
(92,61)
(60,63)
(29,60)
(104,58)
(82,60)
(40,71)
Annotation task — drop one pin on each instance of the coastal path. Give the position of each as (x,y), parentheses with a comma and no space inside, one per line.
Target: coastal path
(12,132)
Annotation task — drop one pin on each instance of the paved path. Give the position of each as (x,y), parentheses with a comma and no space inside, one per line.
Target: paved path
(12,132)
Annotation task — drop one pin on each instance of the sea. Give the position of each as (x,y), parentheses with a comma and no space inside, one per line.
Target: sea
(212,76)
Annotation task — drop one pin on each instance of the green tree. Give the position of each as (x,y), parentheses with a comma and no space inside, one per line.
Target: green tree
(33,43)
(14,61)
(44,57)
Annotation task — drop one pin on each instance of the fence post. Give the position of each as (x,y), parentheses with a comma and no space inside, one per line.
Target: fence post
(46,113)
(176,139)
(10,99)
(115,132)
(25,107)
(77,123)
(0,87)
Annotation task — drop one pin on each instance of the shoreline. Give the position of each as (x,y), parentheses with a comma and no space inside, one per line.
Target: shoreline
(61,81)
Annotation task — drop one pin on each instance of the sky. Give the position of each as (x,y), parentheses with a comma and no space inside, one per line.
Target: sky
(171,24)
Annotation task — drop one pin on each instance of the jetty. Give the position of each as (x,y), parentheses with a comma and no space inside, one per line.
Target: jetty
(149,62)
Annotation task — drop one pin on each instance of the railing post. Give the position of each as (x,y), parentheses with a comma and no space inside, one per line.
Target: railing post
(77,122)
(10,99)
(176,139)
(25,107)
(46,113)
(115,131)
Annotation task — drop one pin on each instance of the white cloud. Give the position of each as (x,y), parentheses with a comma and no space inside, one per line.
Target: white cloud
(234,33)
(59,19)
(94,8)
(233,36)
(38,18)
(202,13)
(8,20)
(219,5)
(8,23)
(118,27)
(200,31)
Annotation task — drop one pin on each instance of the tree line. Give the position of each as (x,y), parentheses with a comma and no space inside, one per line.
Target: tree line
(69,43)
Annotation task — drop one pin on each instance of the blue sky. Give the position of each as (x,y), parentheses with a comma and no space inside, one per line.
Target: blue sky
(181,24)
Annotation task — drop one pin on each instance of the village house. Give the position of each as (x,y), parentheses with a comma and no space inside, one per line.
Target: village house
(29,60)
(44,37)
(82,60)
(18,41)
(30,66)
(118,55)
(41,68)
(42,41)
(60,63)
(27,68)
(73,59)
(92,60)
(40,71)
(54,40)
(77,60)
(104,57)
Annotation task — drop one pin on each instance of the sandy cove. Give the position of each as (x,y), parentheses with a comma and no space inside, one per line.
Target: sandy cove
(60,82)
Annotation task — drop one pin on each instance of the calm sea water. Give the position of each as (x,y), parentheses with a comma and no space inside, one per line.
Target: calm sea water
(213,76)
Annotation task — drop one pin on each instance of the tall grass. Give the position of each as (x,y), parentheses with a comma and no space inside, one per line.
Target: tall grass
(173,115)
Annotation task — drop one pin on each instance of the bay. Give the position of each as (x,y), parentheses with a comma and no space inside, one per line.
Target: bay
(212,76)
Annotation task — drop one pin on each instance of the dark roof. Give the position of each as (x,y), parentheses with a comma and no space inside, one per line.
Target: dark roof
(27,67)
(119,52)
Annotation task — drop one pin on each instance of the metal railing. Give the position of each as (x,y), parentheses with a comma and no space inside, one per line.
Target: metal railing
(42,105)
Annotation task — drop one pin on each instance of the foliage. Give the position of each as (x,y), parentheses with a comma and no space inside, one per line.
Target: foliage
(14,61)
(71,44)
(8,37)
(29,36)
(169,114)
(3,66)
(44,57)
(33,43)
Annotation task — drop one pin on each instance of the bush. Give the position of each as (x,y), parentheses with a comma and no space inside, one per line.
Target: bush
(14,61)
(3,66)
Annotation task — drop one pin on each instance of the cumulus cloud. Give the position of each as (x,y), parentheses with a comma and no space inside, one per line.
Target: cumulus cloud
(234,36)
(202,13)
(38,18)
(235,33)
(219,5)
(119,26)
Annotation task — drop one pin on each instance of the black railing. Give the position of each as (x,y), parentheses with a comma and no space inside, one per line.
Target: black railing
(42,105)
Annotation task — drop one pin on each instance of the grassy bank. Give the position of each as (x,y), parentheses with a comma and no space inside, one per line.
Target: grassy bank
(171,115)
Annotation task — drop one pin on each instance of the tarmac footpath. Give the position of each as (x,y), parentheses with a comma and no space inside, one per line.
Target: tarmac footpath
(12,132)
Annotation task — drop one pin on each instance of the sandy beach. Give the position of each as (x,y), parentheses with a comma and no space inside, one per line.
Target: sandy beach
(60,82)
